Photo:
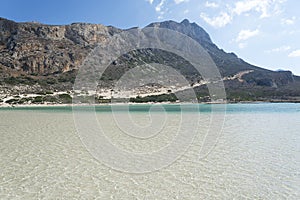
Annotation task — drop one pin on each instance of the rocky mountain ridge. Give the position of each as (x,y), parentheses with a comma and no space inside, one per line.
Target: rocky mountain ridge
(35,58)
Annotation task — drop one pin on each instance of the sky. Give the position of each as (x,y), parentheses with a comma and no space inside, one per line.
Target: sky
(265,33)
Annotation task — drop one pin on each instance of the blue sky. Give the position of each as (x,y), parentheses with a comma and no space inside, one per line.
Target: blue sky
(262,32)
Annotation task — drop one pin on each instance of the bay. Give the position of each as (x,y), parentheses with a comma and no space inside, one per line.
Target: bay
(257,154)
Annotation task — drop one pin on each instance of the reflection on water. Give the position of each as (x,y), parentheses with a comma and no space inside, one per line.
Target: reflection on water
(257,156)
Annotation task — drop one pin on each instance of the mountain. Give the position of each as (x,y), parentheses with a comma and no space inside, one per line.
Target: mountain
(39,63)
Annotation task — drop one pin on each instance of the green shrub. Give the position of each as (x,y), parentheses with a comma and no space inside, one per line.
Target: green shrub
(48,92)
(104,100)
(23,100)
(20,80)
(155,98)
(50,98)
(12,101)
(65,98)
(51,81)
(37,99)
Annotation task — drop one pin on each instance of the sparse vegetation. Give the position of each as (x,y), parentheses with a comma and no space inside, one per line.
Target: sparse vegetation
(65,98)
(12,101)
(37,99)
(155,98)
(26,80)
(49,98)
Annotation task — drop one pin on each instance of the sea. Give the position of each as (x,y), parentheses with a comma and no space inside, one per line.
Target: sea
(151,151)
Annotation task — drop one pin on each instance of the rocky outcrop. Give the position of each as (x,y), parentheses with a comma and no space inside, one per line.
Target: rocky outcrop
(40,49)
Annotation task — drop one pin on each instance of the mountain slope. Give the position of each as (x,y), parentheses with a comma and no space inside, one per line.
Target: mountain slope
(35,58)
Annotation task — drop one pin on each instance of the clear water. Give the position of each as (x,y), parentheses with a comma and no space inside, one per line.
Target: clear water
(257,156)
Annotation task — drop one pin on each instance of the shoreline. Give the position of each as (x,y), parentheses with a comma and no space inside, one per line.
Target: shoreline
(148,103)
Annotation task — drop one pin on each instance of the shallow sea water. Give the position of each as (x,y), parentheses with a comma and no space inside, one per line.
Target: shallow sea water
(257,156)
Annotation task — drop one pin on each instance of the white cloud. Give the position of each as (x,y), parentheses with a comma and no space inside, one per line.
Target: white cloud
(186,11)
(159,6)
(246,34)
(222,20)
(279,49)
(290,21)
(180,1)
(211,5)
(266,8)
(242,45)
(150,1)
(245,6)
(278,9)
(295,53)
(293,32)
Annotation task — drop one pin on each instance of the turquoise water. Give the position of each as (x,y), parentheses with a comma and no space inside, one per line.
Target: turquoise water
(257,154)
(229,108)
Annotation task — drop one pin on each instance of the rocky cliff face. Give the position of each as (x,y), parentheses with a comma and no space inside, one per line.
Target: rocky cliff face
(41,49)
(42,56)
